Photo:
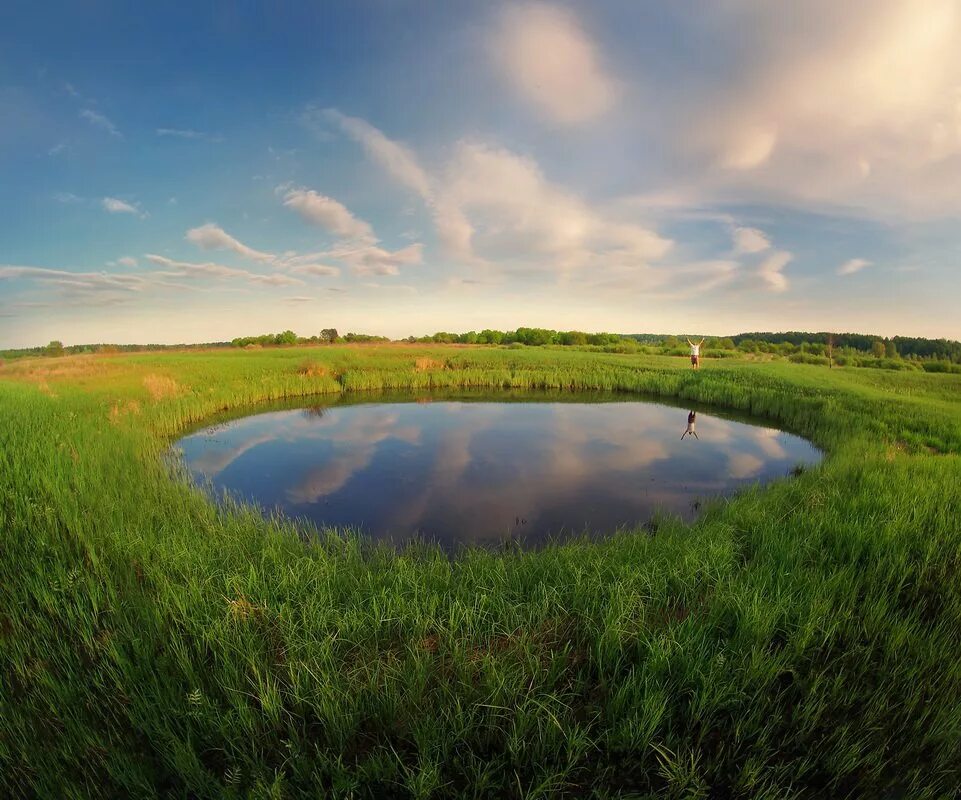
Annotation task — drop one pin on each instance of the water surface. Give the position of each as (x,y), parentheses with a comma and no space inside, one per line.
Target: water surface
(478,469)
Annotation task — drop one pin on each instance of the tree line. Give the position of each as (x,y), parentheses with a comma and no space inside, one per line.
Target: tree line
(532,337)
(833,348)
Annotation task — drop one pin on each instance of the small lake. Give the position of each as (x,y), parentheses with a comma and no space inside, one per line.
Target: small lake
(478,469)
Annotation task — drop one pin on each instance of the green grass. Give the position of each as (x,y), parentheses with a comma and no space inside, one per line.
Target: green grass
(799,641)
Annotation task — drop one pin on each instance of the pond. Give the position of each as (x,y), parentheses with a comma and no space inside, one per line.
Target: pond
(477,469)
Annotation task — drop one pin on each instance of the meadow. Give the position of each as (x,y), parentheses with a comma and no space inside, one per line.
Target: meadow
(797,641)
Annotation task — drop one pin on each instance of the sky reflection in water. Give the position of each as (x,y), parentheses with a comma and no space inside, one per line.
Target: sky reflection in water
(478,471)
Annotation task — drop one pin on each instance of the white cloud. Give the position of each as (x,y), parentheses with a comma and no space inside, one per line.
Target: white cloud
(100,121)
(490,203)
(299,299)
(115,206)
(127,261)
(394,157)
(750,240)
(90,288)
(328,213)
(8,271)
(545,55)
(188,269)
(213,237)
(57,149)
(453,229)
(517,214)
(374,260)
(358,247)
(858,107)
(748,148)
(853,265)
(363,258)
(771,270)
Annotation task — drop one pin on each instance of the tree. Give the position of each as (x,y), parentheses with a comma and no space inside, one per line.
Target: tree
(877,348)
(287,337)
(55,348)
(890,349)
(572,338)
(329,335)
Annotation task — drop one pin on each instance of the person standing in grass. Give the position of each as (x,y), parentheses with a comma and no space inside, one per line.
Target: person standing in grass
(695,353)
(691,419)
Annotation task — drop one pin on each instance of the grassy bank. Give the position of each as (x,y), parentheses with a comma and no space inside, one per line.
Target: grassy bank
(800,641)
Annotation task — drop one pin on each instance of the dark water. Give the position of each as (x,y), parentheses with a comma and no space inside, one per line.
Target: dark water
(478,469)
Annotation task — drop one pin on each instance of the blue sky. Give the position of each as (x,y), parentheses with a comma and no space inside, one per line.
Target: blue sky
(195,172)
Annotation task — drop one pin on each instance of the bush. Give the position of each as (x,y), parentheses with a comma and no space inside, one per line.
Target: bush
(808,358)
(941,366)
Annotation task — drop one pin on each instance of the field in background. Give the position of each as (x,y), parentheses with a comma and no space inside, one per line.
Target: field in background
(798,641)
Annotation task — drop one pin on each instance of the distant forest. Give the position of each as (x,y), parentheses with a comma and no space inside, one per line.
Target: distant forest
(855,349)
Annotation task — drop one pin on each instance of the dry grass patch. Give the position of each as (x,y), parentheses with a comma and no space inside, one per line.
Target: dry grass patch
(160,386)
(423,363)
(240,608)
(41,370)
(310,369)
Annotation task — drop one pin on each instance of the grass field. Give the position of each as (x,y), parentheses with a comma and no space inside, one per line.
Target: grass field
(799,641)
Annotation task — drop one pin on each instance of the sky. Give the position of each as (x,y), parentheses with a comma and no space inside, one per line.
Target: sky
(195,172)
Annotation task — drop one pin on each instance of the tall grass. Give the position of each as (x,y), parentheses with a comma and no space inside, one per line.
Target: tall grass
(797,641)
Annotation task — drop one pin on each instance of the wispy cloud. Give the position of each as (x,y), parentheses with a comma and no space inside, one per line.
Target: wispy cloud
(91,288)
(186,133)
(100,121)
(320,270)
(189,269)
(373,260)
(853,265)
(453,229)
(115,206)
(213,237)
(358,247)
(393,156)
(328,213)
(771,270)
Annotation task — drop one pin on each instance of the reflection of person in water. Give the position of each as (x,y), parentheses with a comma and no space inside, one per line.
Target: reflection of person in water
(691,420)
